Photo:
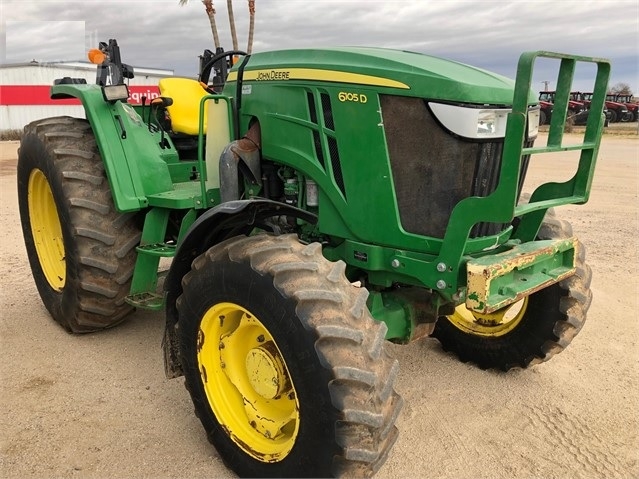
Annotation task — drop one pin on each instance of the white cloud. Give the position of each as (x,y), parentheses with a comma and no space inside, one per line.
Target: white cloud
(45,40)
(488,34)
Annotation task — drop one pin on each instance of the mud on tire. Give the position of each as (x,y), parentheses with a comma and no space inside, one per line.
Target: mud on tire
(333,350)
(98,242)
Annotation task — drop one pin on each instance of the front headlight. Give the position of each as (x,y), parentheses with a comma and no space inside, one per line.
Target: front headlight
(480,123)
(113,93)
(472,122)
(533,122)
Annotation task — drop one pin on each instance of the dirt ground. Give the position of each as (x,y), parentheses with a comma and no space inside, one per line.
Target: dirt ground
(98,405)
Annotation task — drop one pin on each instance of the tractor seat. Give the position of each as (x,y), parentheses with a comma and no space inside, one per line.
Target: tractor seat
(185,110)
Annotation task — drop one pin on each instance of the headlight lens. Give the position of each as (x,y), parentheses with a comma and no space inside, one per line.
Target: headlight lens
(113,93)
(471,122)
(480,123)
(533,122)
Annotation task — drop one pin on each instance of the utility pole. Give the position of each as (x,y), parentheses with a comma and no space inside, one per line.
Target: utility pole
(545,82)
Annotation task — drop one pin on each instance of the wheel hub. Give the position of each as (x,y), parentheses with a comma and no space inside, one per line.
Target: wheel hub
(247,382)
(265,371)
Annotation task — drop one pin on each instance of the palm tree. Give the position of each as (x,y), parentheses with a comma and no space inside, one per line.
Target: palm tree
(229,5)
(210,12)
(251,5)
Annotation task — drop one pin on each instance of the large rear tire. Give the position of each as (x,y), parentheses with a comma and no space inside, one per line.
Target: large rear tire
(286,368)
(81,250)
(530,331)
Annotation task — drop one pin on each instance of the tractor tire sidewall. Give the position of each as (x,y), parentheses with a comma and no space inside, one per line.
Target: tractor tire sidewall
(34,154)
(240,284)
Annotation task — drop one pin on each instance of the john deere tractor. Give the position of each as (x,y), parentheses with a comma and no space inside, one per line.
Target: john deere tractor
(315,204)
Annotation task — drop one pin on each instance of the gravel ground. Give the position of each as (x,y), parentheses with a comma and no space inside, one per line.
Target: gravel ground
(98,405)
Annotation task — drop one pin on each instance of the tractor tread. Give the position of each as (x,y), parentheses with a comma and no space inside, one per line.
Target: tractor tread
(349,342)
(102,247)
(74,152)
(90,204)
(82,176)
(104,265)
(105,238)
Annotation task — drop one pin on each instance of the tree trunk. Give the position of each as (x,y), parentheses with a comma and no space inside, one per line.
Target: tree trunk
(229,4)
(251,4)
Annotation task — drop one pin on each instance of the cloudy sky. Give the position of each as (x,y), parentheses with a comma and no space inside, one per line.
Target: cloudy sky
(484,33)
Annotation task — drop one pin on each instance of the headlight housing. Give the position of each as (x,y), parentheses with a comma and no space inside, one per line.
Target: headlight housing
(113,93)
(480,123)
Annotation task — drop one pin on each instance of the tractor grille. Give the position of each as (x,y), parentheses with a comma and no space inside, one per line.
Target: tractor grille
(434,170)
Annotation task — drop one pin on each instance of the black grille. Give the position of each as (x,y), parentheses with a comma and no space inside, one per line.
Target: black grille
(317,142)
(434,170)
(335,163)
(333,151)
(318,148)
(311,107)
(328,111)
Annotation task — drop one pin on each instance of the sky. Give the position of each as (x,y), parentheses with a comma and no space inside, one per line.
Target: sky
(483,33)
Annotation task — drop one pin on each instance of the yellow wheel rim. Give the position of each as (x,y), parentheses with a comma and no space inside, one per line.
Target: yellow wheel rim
(46,230)
(489,325)
(247,382)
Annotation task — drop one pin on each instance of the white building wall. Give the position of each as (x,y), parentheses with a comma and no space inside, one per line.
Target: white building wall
(39,75)
(46,73)
(15,117)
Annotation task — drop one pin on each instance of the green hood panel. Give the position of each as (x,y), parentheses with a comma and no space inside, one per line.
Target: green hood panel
(413,74)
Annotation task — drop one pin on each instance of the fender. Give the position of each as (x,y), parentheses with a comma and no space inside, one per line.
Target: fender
(233,218)
(134,161)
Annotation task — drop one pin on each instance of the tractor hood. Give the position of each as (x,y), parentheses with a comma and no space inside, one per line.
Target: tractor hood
(406,73)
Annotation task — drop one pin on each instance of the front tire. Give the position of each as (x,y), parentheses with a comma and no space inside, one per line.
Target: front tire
(530,331)
(81,250)
(542,117)
(286,368)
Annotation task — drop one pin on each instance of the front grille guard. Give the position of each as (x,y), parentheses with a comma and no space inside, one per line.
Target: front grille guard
(501,205)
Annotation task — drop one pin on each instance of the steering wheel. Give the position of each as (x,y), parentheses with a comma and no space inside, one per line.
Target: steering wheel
(206,69)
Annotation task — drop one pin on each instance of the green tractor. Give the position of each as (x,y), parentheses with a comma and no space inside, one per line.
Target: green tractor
(315,204)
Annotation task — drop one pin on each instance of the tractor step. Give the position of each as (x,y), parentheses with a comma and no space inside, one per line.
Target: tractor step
(162,250)
(182,196)
(146,300)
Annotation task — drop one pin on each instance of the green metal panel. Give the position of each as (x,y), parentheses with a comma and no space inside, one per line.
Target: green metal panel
(141,173)
(135,164)
(424,76)
(144,171)
(577,189)
(289,92)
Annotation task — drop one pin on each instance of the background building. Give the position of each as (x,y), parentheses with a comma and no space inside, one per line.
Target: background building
(24,90)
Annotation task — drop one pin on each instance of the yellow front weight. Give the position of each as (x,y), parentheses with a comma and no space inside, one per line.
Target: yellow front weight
(247,382)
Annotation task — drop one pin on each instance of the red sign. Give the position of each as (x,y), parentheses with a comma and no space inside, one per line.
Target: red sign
(39,95)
